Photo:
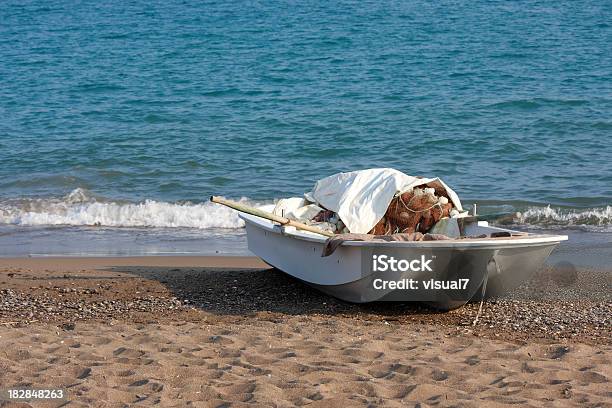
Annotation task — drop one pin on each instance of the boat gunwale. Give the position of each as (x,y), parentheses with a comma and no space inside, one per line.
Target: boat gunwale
(501,242)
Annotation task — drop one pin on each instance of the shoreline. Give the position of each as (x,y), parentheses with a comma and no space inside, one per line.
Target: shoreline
(84,262)
(585,249)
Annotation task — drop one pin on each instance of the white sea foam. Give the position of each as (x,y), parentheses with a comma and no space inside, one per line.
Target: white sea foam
(599,218)
(81,208)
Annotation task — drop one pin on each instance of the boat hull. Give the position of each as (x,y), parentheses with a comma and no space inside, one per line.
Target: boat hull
(351,274)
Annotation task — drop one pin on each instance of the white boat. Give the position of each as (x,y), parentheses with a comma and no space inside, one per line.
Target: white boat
(355,273)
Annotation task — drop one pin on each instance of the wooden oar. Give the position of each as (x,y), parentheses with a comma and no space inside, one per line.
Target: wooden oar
(269,216)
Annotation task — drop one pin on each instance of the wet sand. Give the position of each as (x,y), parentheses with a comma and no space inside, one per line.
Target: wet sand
(209,331)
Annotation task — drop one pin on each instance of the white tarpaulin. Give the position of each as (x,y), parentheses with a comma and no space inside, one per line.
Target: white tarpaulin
(361,198)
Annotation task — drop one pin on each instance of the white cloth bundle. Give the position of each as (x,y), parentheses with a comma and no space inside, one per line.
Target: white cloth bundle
(361,198)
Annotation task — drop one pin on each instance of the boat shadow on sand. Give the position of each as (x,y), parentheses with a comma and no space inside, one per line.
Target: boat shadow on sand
(226,291)
(244,291)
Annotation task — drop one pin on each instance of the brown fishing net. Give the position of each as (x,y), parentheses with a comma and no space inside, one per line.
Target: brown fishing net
(416,210)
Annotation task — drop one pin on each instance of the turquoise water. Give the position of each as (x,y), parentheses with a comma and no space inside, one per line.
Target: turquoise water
(131,115)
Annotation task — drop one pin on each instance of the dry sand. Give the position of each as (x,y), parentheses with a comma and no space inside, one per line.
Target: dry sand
(196,331)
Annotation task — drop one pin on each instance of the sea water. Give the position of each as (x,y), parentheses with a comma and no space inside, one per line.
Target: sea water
(118,120)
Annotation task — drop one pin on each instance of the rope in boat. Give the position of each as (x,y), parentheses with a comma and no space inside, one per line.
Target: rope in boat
(407,206)
(437,204)
(484,289)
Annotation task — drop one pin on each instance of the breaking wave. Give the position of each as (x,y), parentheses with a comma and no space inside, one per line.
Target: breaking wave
(80,208)
(593,218)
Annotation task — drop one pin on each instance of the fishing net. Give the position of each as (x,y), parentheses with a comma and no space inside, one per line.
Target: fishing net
(417,210)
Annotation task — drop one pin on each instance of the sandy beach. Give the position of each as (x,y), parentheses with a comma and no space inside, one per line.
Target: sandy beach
(229,331)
